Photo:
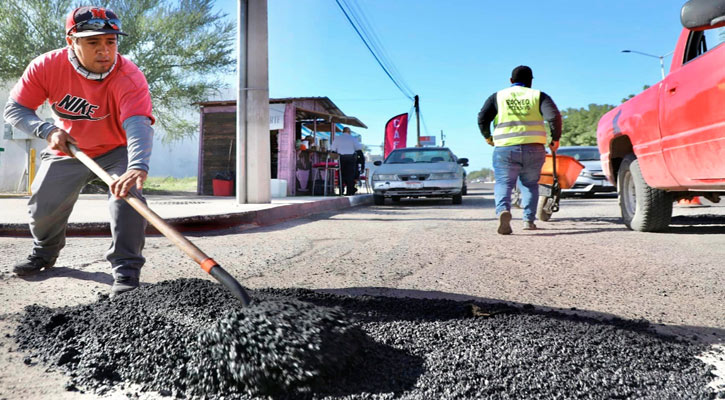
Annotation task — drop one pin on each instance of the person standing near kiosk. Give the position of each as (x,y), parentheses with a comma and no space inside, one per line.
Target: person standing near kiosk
(347,146)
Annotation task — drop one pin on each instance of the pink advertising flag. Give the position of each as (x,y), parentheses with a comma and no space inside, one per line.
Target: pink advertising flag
(396,133)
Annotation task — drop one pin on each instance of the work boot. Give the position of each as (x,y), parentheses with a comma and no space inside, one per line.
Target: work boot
(504,223)
(33,265)
(530,226)
(123,284)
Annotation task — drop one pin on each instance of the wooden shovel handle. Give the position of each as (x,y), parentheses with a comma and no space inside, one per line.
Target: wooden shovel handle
(206,262)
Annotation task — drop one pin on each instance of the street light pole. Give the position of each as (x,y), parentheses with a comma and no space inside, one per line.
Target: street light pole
(661,58)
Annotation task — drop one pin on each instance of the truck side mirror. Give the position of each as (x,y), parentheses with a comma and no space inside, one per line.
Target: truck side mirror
(463,161)
(699,15)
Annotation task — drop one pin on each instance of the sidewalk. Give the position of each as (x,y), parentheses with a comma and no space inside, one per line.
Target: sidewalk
(186,213)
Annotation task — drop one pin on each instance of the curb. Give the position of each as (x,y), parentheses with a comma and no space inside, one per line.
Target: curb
(201,223)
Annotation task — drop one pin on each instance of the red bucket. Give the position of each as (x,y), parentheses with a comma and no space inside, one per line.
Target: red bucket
(222,187)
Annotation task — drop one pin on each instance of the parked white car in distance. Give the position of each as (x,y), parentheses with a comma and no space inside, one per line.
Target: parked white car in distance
(419,172)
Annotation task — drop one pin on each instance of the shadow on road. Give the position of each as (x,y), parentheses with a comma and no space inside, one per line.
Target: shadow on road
(611,195)
(65,272)
(703,224)
(564,232)
(426,203)
(697,230)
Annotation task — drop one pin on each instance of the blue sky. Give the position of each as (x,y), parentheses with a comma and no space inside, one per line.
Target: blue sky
(456,53)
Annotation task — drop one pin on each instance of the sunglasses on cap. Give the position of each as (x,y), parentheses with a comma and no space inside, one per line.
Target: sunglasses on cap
(96,24)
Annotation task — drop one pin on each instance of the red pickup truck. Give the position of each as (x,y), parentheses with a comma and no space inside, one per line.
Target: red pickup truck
(668,142)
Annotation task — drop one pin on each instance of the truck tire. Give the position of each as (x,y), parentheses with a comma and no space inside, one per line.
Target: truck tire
(540,212)
(378,199)
(457,199)
(644,208)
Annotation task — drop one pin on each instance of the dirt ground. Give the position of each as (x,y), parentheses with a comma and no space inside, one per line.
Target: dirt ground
(584,260)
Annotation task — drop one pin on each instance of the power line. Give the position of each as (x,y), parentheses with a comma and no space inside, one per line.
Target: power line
(360,17)
(361,99)
(359,22)
(422,118)
(365,37)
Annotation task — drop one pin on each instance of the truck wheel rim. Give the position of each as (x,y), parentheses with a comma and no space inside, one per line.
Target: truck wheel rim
(630,197)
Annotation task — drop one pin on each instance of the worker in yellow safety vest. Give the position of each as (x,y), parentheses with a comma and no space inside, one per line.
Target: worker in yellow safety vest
(518,113)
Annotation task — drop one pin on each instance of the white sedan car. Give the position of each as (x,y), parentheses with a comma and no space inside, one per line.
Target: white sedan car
(591,180)
(419,172)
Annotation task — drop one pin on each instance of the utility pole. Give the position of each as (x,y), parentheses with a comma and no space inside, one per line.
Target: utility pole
(443,139)
(417,118)
(241,123)
(253,153)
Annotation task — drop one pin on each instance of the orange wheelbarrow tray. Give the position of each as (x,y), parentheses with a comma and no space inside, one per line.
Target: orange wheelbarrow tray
(567,170)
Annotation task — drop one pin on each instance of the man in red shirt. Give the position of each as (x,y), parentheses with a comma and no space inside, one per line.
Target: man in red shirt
(100,102)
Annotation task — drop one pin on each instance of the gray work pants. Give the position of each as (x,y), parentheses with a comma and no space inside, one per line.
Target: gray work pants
(55,190)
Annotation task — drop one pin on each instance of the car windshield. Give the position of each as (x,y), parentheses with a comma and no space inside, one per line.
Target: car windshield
(583,154)
(419,156)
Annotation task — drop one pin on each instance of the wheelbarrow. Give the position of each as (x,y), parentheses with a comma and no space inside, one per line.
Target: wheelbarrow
(552,181)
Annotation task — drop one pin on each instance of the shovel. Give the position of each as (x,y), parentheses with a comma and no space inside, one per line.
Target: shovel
(205,262)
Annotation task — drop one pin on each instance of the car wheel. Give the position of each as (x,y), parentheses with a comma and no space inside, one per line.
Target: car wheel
(396,199)
(457,199)
(541,213)
(464,190)
(644,208)
(378,199)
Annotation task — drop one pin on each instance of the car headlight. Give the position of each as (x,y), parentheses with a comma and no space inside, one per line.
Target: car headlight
(443,175)
(385,177)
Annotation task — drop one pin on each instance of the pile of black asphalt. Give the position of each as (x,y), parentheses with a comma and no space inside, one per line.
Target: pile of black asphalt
(190,338)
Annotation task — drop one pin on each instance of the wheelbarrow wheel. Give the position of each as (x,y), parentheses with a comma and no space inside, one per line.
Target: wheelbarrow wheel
(516,197)
(541,213)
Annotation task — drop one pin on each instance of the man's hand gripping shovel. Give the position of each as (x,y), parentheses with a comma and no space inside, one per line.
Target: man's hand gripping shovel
(207,263)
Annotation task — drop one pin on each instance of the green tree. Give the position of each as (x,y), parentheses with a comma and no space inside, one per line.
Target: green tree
(181,46)
(579,125)
(645,87)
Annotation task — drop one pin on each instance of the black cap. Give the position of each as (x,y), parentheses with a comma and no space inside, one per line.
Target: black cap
(522,74)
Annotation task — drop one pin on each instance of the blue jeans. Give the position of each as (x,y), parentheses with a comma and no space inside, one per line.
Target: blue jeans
(522,162)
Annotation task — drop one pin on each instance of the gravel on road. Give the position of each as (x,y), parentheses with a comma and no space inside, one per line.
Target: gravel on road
(189,338)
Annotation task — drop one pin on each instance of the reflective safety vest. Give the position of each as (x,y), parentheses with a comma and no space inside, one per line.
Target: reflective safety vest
(519,120)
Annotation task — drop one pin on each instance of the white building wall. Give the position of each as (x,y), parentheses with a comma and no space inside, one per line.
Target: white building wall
(179,159)
(17,145)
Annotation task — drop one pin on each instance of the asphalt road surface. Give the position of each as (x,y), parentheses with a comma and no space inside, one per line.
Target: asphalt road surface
(583,261)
